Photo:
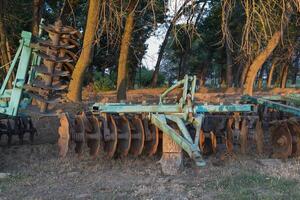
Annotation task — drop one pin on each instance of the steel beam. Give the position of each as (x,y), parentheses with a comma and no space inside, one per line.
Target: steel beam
(136,108)
(223,108)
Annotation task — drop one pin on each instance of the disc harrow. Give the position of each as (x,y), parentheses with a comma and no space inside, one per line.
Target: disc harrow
(199,129)
(57,63)
(17,127)
(122,129)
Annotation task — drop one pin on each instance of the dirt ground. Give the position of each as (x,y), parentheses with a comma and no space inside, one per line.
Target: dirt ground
(36,172)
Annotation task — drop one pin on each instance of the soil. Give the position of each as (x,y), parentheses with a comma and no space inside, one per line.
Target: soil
(34,171)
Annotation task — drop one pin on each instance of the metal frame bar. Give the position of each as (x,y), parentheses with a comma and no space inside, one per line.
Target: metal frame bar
(192,150)
(223,108)
(136,108)
(274,105)
(23,54)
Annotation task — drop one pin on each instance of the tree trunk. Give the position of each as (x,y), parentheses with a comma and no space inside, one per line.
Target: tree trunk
(260,79)
(160,55)
(3,49)
(85,58)
(165,42)
(270,77)
(181,65)
(284,76)
(259,61)
(132,75)
(295,73)
(37,14)
(229,77)
(122,65)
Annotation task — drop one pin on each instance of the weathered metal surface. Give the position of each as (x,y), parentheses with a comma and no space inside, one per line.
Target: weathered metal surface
(223,108)
(23,57)
(273,105)
(137,108)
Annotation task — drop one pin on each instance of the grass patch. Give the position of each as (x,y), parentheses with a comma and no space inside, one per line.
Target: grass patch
(253,185)
(10,181)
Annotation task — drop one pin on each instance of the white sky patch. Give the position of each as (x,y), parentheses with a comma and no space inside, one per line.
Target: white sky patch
(154,42)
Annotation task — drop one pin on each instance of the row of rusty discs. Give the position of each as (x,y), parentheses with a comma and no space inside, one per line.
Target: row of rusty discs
(116,135)
(231,132)
(282,137)
(16,127)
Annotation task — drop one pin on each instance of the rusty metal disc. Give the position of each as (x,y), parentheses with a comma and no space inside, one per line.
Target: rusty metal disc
(294,128)
(151,137)
(78,134)
(93,136)
(229,135)
(259,137)
(201,140)
(244,136)
(137,135)
(213,140)
(207,142)
(124,135)
(109,135)
(64,135)
(281,140)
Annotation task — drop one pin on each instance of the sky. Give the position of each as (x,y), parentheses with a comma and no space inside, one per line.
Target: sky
(157,37)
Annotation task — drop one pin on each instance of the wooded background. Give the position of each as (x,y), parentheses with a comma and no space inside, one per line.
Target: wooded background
(225,43)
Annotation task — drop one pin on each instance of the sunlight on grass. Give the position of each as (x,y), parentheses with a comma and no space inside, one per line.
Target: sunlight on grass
(253,185)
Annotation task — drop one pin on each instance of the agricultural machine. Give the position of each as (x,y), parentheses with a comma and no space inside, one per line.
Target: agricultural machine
(120,129)
(41,70)
(39,73)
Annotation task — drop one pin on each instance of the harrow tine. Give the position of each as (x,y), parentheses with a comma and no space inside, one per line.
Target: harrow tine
(9,132)
(32,130)
(19,130)
(137,135)
(109,134)
(124,135)
(151,137)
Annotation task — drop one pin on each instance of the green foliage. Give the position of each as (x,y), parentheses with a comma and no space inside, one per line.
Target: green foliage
(205,52)
(103,82)
(144,75)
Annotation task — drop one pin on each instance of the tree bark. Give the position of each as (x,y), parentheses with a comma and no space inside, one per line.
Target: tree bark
(165,42)
(260,79)
(3,49)
(229,77)
(259,61)
(75,87)
(37,15)
(295,73)
(284,76)
(124,49)
(270,77)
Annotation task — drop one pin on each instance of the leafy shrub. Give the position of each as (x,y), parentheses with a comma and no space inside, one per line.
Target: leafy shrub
(103,82)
